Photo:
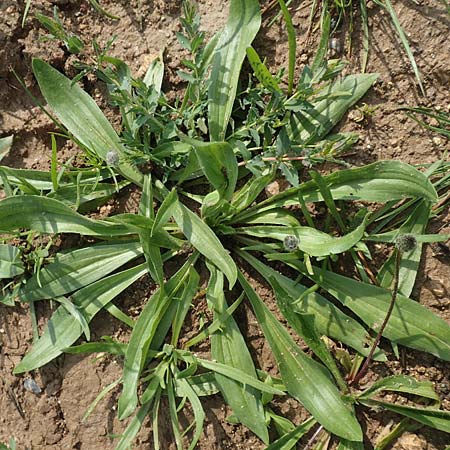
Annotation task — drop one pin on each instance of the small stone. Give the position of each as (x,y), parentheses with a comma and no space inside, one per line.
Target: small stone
(30,385)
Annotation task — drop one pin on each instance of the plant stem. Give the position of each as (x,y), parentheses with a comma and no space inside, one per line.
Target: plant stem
(368,360)
(313,438)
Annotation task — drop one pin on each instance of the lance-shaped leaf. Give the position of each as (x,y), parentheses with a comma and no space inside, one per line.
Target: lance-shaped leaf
(305,379)
(328,318)
(78,112)
(78,268)
(311,241)
(435,418)
(219,165)
(229,347)
(52,216)
(244,20)
(289,440)
(62,330)
(205,241)
(381,181)
(410,324)
(142,336)
(409,264)
(401,383)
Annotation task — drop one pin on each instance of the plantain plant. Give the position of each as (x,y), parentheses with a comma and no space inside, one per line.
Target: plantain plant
(202,164)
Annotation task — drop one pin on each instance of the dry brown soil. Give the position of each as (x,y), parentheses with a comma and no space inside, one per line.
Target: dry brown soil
(52,420)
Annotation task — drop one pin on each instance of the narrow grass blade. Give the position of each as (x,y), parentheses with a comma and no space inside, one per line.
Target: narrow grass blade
(76,313)
(320,59)
(205,241)
(243,23)
(245,196)
(133,427)
(62,331)
(10,262)
(141,338)
(292,42)
(305,379)
(78,268)
(435,418)
(229,347)
(199,413)
(410,324)
(81,116)
(99,398)
(184,303)
(386,4)
(365,37)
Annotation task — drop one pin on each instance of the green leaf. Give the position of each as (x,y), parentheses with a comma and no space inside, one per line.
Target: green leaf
(243,198)
(435,418)
(329,320)
(5,144)
(155,73)
(305,379)
(304,326)
(310,240)
(410,324)
(81,116)
(52,216)
(219,165)
(315,122)
(292,44)
(238,375)
(62,331)
(381,181)
(350,445)
(243,23)
(261,71)
(289,440)
(133,427)
(78,268)
(401,383)
(10,263)
(142,335)
(205,241)
(416,223)
(228,347)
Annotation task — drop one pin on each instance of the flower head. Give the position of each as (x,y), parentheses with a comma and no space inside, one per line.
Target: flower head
(405,242)
(290,243)
(112,158)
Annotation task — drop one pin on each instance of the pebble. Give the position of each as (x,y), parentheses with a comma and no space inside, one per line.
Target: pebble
(30,385)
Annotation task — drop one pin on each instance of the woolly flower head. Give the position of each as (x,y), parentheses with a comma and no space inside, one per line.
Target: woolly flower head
(290,243)
(112,158)
(405,242)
